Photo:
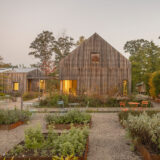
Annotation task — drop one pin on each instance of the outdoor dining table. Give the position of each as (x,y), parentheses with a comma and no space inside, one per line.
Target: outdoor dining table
(133,103)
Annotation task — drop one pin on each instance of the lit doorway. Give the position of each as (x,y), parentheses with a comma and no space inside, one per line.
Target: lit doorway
(69,86)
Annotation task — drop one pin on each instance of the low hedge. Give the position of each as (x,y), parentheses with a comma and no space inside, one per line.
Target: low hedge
(13,116)
(73,116)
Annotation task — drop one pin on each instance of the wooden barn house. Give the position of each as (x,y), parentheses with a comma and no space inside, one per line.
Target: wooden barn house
(20,80)
(95,67)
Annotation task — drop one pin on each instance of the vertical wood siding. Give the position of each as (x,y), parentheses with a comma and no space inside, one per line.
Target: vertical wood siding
(98,78)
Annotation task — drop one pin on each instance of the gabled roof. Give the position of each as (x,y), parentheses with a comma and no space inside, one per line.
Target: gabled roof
(94,36)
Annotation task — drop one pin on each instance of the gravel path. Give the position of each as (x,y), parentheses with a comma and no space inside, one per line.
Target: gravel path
(107,139)
(8,139)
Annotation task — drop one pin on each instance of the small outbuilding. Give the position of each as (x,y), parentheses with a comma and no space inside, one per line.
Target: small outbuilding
(95,67)
(20,80)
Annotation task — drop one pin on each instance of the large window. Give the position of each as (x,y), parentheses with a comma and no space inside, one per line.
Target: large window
(15,86)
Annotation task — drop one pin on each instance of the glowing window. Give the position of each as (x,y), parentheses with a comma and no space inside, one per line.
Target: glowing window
(15,86)
(125,88)
(42,84)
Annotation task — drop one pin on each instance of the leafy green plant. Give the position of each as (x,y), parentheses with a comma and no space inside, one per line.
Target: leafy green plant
(124,115)
(73,116)
(145,129)
(12,116)
(30,95)
(68,145)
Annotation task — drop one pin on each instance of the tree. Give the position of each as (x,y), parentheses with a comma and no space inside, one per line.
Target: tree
(43,48)
(154,82)
(45,45)
(145,58)
(81,40)
(62,47)
(3,64)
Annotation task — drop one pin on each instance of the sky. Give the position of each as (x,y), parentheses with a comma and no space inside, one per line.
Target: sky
(117,21)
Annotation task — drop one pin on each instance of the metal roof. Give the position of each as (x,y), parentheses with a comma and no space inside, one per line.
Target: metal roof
(17,70)
(23,70)
(5,69)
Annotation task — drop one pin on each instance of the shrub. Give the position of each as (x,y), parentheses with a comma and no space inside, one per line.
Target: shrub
(85,100)
(71,143)
(30,95)
(53,99)
(145,129)
(123,116)
(73,116)
(13,116)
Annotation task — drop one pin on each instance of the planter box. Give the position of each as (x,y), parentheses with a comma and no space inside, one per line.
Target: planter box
(84,157)
(145,153)
(10,126)
(68,126)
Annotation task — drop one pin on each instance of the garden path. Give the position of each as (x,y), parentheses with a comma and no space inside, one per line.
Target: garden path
(107,139)
(8,139)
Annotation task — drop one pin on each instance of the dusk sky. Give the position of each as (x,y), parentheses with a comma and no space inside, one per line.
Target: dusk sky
(117,21)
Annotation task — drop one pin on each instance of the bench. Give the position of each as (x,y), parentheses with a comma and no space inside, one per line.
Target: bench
(60,103)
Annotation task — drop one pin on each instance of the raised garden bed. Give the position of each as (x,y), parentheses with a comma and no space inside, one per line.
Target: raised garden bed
(66,120)
(143,130)
(51,145)
(10,126)
(83,157)
(145,153)
(10,119)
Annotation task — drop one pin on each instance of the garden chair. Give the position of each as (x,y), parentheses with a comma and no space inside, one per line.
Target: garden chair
(144,103)
(123,104)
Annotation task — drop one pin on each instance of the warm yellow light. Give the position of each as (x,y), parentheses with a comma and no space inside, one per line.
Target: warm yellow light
(42,84)
(15,86)
(69,86)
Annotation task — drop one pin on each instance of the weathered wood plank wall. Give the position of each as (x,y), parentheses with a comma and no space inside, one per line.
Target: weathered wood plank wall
(96,78)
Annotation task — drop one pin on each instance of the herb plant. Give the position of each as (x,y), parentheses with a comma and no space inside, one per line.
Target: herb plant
(73,116)
(13,116)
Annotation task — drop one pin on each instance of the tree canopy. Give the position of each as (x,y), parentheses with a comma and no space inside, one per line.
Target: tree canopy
(145,58)
(46,45)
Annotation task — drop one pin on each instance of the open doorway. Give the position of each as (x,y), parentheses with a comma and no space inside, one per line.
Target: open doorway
(69,86)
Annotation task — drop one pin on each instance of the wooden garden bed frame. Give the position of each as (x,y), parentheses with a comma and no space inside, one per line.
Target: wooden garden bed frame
(83,157)
(10,126)
(145,153)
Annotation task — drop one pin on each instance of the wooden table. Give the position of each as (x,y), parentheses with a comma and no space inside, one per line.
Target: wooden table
(134,103)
